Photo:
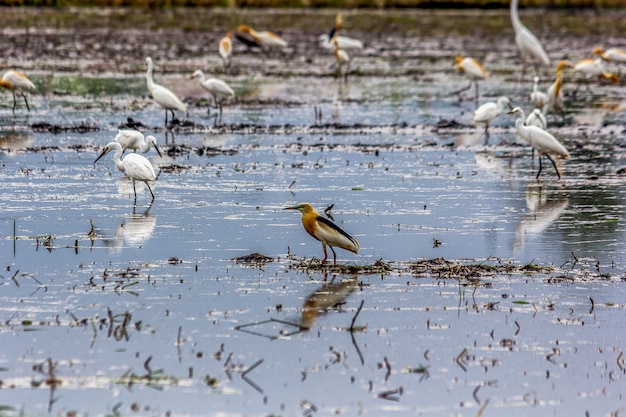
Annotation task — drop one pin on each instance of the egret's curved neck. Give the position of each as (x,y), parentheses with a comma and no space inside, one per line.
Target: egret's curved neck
(117,157)
(145,146)
(149,76)
(520,126)
(201,76)
(517,24)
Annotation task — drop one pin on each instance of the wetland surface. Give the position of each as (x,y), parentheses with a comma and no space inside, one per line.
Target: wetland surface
(478,289)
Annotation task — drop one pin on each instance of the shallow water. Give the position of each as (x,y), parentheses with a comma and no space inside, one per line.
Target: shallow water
(148,314)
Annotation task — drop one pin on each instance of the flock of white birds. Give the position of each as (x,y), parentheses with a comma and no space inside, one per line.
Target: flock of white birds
(532,129)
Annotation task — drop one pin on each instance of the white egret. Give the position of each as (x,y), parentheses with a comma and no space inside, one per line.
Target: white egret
(538,99)
(163,96)
(267,40)
(226,50)
(529,46)
(17,82)
(135,140)
(218,89)
(536,118)
(487,112)
(344,42)
(137,167)
(542,141)
(473,70)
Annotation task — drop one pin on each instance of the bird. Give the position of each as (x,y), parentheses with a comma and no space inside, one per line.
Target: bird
(344,42)
(542,141)
(529,46)
(226,49)
(487,112)
(325,231)
(137,167)
(337,27)
(611,54)
(474,71)
(536,118)
(538,99)
(593,68)
(218,89)
(555,95)
(266,40)
(17,82)
(163,96)
(134,139)
(343,60)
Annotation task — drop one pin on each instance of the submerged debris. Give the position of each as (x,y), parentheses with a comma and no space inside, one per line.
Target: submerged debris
(83,127)
(254,259)
(451,269)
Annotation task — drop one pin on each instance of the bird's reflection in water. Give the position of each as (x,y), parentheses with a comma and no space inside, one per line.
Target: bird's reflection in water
(12,140)
(325,298)
(133,231)
(543,211)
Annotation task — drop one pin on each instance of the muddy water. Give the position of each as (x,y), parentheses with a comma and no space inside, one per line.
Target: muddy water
(115,309)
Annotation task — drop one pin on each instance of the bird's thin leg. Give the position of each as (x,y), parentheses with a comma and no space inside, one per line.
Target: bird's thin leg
(532,157)
(165,117)
(325,253)
(14,102)
(148,185)
(134,190)
(334,256)
(477,94)
(554,165)
(486,134)
(26,101)
(173,115)
(540,167)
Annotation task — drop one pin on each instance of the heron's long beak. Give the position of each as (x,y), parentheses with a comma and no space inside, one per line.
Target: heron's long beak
(291,208)
(510,106)
(104,152)
(158,151)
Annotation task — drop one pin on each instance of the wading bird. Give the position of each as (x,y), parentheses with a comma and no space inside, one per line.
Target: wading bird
(325,231)
(17,82)
(337,27)
(542,141)
(137,167)
(218,89)
(226,50)
(473,70)
(343,60)
(344,42)
(611,54)
(529,46)
(538,99)
(163,96)
(135,140)
(593,68)
(487,112)
(555,95)
(536,118)
(266,40)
